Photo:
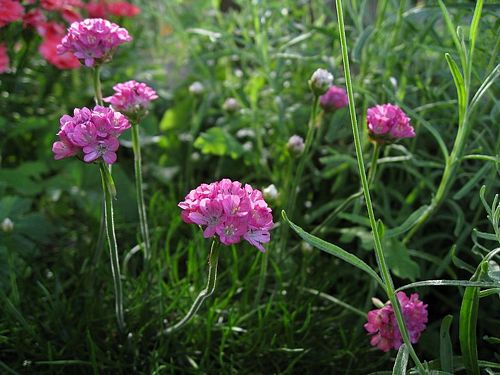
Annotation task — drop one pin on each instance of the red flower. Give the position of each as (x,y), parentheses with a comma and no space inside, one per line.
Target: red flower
(123,9)
(52,34)
(35,19)
(4,59)
(11,11)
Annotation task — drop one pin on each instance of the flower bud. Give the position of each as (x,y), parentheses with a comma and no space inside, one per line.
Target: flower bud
(270,193)
(7,225)
(196,88)
(335,98)
(296,145)
(231,105)
(320,81)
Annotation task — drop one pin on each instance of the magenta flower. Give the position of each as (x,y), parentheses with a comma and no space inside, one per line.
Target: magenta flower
(131,98)
(93,40)
(91,133)
(387,123)
(11,10)
(4,59)
(230,211)
(335,98)
(383,327)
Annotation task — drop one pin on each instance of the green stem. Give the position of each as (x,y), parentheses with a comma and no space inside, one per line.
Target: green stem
(97,85)
(113,247)
(379,253)
(374,164)
(205,293)
(143,221)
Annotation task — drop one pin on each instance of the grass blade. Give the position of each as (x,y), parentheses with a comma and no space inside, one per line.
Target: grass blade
(445,348)
(467,329)
(460,85)
(466,283)
(401,361)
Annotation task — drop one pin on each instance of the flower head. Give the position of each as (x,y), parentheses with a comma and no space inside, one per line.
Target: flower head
(12,11)
(93,40)
(52,34)
(231,105)
(320,81)
(387,123)
(7,225)
(229,210)
(4,59)
(296,145)
(131,98)
(123,9)
(335,98)
(92,133)
(196,88)
(383,327)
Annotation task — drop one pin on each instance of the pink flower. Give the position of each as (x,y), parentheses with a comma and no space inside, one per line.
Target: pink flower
(131,97)
(35,19)
(387,123)
(123,9)
(230,211)
(383,327)
(334,98)
(11,11)
(4,59)
(97,9)
(91,132)
(52,34)
(93,40)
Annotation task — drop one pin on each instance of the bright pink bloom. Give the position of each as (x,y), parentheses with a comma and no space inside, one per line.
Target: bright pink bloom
(52,34)
(387,123)
(383,326)
(131,97)
(4,59)
(93,40)
(91,132)
(230,211)
(123,9)
(10,11)
(334,98)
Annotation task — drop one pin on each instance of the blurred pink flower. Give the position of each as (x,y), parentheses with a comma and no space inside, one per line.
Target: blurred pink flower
(123,9)
(387,123)
(35,19)
(52,34)
(334,98)
(229,210)
(383,327)
(4,59)
(11,10)
(93,40)
(131,97)
(91,132)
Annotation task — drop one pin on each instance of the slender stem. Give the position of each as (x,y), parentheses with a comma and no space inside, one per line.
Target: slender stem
(374,164)
(379,253)
(113,247)
(97,85)
(262,277)
(143,220)
(205,293)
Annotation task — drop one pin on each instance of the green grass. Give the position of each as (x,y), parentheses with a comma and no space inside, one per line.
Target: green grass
(57,298)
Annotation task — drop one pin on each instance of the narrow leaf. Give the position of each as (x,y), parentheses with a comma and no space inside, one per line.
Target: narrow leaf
(474,26)
(401,361)
(460,86)
(466,283)
(407,224)
(467,329)
(445,348)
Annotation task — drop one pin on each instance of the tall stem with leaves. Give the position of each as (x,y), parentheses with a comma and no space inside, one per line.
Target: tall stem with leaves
(379,253)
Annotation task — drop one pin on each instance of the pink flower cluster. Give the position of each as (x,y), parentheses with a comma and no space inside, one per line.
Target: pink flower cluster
(383,326)
(93,40)
(4,59)
(231,211)
(131,97)
(335,98)
(388,123)
(52,34)
(10,11)
(103,9)
(93,132)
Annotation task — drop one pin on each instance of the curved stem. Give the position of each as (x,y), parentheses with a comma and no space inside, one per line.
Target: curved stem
(379,253)
(113,247)
(143,220)
(205,293)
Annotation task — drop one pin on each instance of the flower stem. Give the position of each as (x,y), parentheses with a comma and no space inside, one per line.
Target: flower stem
(97,85)
(379,253)
(113,247)
(205,293)
(143,220)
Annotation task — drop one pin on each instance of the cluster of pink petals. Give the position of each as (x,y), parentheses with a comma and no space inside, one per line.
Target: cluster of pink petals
(4,59)
(388,123)
(335,98)
(35,19)
(229,210)
(91,132)
(93,40)
(67,8)
(10,11)
(52,34)
(104,9)
(131,97)
(383,326)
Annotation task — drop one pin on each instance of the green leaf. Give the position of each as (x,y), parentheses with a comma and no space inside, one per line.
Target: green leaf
(467,329)
(445,348)
(333,250)
(399,261)
(360,43)
(488,81)
(474,25)
(177,116)
(407,224)
(472,182)
(217,141)
(460,86)
(401,361)
(466,283)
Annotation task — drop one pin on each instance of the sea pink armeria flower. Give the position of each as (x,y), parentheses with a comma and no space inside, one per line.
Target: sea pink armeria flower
(10,11)
(335,98)
(229,210)
(387,123)
(132,98)
(93,40)
(383,327)
(4,59)
(90,133)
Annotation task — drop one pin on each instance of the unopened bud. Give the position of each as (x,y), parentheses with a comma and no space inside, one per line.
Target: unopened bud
(296,145)
(7,225)
(196,88)
(270,192)
(320,81)
(231,105)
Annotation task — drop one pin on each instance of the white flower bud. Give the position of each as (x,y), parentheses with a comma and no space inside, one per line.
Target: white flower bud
(231,105)
(296,145)
(320,81)
(196,88)
(270,192)
(7,225)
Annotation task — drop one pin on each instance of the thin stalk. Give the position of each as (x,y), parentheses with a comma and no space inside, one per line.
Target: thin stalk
(143,220)
(262,278)
(379,253)
(113,247)
(205,293)
(96,79)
